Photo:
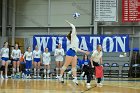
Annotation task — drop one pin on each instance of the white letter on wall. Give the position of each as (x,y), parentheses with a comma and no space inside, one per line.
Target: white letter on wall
(83,44)
(121,43)
(94,41)
(111,43)
(41,41)
(54,43)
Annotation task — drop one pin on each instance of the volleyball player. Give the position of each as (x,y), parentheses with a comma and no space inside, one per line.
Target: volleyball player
(71,54)
(15,55)
(96,60)
(4,57)
(28,58)
(78,66)
(37,61)
(46,62)
(59,54)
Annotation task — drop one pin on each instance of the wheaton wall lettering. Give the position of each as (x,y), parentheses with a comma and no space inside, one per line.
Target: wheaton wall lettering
(114,43)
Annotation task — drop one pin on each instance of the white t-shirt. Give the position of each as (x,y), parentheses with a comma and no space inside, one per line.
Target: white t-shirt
(96,55)
(46,57)
(74,39)
(36,54)
(16,53)
(28,55)
(5,52)
(59,54)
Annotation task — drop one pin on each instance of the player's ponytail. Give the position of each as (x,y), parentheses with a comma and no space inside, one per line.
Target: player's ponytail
(69,35)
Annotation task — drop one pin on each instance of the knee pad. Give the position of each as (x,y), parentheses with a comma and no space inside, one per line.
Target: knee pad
(64,68)
(44,70)
(14,70)
(57,68)
(73,69)
(48,72)
(2,68)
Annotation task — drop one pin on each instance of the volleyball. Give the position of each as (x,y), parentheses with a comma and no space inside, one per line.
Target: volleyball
(76,15)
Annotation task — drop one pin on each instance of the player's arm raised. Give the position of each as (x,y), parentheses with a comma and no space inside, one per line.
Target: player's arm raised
(73,28)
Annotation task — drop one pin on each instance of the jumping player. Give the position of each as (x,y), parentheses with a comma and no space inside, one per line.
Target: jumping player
(4,57)
(28,57)
(59,54)
(37,61)
(46,62)
(71,54)
(78,66)
(15,55)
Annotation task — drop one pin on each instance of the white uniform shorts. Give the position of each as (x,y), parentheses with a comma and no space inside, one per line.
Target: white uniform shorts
(46,62)
(57,59)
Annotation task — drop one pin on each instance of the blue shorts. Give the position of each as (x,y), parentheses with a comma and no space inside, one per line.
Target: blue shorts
(71,52)
(4,59)
(28,64)
(16,59)
(36,59)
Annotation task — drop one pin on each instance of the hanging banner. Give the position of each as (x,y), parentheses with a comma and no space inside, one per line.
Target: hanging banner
(106,10)
(114,43)
(130,10)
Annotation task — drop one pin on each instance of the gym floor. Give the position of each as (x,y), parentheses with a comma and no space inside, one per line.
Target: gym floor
(53,86)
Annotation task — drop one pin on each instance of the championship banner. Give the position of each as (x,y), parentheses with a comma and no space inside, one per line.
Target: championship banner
(130,10)
(114,43)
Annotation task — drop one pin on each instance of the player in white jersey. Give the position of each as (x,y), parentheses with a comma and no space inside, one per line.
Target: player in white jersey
(71,57)
(37,61)
(28,57)
(15,55)
(59,58)
(46,62)
(4,57)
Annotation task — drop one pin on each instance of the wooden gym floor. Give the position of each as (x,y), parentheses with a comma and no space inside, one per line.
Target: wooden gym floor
(53,86)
